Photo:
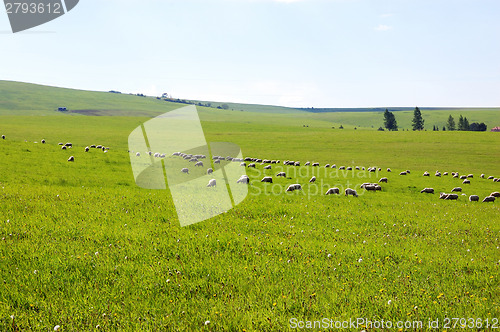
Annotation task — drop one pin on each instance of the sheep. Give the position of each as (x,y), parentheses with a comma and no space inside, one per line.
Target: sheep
(199,163)
(248,159)
(212,183)
(273,161)
(426,173)
(383,180)
(474,198)
(60,143)
(267,179)
(283,174)
(3,136)
(192,160)
(333,190)
(103,148)
(491,177)
(445,173)
(389,170)
(307,163)
(138,154)
(342,167)
(243,179)
(251,165)
(99,147)
(489,199)
(402,173)
(297,163)
(185,170)
(466,181)
(210,171)
(334,166)
(43,141)
(243,164)
(437,174)
(313,179)
(352,192)
(349,168)
(371,187)
(456,189)
(68,144)
(71,158)
(217,161)
(495,194)
(482,176)
(315,164)
(87,149)
(407,171)
(267,167)
(463,177)
(63,147)
(176,154)
(448,196)
(92,146)
(470,175)
(496,180)
(427,190)
(293,187)
(327,166)
(357,168)
(455,175)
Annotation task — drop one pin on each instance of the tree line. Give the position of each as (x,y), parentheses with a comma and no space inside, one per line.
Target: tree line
(417,123)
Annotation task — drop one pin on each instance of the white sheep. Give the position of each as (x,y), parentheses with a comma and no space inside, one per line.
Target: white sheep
(456,189)
(282,174)
(334,166)
(138,154)
(185,170)
(243,179)
(383,180)
(293,187)
(482,176)
(267,167)
(313,179)
(402,173)
(87,149)
(474,198)
(43,141)
(327,165)
(448,196)
(427,190)
(243,164)
(466,181)
(352,192)
(210,171)
(332,191)
(212,183)
(426,173)
(199,163)
(267,179)
(495,194)
(342,167)
(251,165)
(71,158)
(307,163)
(489,199)
(389,170)
(437,174)
(445,173)
(315,164)
(63,147)
(470,175)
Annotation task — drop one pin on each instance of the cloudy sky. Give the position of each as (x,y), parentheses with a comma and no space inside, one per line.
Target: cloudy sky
(307,53)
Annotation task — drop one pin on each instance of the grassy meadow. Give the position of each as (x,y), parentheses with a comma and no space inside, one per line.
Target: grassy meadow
(83,247)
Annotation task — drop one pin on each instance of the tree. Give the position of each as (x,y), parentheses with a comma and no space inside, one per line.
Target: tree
(444,128)
(417,123)
(466,124)
(463,123)
(390,122)
(477,126)
(450,125)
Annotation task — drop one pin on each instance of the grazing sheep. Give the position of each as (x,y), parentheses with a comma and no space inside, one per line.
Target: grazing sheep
(332,191)
(297,163)
(217,161)
(491,177)
(352,192)
(407,171)
(342,167)
(243,164)
(87,149)
(402,173)
(243,179)
(283,174)
(138,154)
(315,164)
(388,170)
(92,146)
(307,163)
(437,173)
(212,183)
(293,187)
(357,168)
(71,158)
(210,171)
(482,176)
(489,199)
(43,141)
(474,198)
(251,165)
(192,160)
(200,163)
(455,175)
(448,196)
(313,179)
(495,194)
(445,173)
(267,179)
(456,189)
(349,168)
(3,136)
(427,190)
(466,181)
(185,170)
(267,167)
(426,173)
(60,143)
(327,165)
(463,177)
(470,175)
(63,147)
(334,166)
(382,180)
(371,187)
(496,180)
(69,144)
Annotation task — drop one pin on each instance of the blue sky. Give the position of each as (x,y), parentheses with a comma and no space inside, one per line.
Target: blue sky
(303,53)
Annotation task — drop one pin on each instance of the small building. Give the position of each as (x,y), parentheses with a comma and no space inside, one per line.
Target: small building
(62,109)
(497,129)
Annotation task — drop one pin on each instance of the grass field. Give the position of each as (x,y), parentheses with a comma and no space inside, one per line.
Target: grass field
(81,246)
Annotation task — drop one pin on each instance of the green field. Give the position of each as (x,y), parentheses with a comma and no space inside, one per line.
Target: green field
(83,247)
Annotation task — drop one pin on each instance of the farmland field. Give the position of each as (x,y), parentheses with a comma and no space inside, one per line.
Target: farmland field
(83,247)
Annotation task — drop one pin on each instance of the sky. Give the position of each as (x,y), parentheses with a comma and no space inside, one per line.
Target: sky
(297,53)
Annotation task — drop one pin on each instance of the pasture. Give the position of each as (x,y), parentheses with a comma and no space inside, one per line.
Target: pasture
(82,247)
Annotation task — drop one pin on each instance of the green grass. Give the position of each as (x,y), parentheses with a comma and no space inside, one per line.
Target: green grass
(274,257)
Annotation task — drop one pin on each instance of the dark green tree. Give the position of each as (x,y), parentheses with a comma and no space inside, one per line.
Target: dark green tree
(461,123)
(390,122)
(444,128)
(450,125)
(417,123)
(466,124)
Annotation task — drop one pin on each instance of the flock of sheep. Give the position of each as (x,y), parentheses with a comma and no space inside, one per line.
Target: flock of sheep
(267,163)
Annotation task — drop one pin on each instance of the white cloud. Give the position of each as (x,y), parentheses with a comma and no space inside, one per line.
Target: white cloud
(383,27)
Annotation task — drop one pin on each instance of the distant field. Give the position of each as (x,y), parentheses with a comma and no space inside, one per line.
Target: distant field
(83,247)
